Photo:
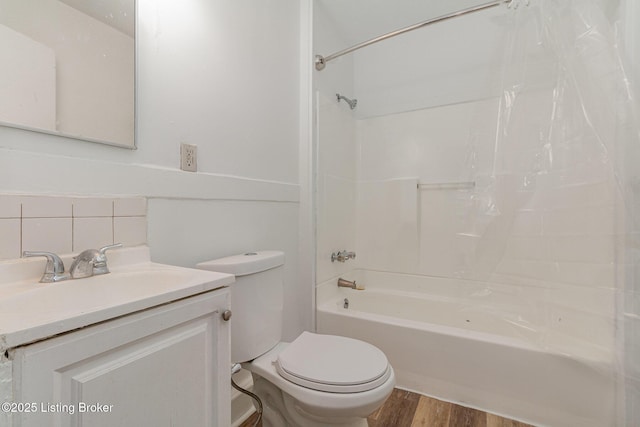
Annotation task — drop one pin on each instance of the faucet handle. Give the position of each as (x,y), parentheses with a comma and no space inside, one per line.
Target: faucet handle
(100,262)
(54,270)
(339,256)
(103,249)
(342,256)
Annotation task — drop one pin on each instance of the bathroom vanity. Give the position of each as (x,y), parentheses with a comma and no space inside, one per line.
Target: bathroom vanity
(147,344)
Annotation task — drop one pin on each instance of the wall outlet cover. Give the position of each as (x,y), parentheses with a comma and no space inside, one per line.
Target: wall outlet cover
(189,157)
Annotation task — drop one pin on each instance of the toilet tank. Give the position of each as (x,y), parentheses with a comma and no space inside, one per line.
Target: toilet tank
(256,301)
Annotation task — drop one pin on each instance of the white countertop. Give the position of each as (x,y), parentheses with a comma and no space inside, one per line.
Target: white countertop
(31,311)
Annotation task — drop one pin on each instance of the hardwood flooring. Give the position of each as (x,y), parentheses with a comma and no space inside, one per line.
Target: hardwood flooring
(407,409)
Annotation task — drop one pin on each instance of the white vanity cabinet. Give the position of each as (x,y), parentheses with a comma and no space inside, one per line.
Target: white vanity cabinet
(163,366)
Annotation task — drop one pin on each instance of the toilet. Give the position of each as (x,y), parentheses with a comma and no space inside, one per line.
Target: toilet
(316,380)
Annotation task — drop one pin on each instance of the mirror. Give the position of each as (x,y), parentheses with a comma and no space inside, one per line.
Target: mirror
(68,68)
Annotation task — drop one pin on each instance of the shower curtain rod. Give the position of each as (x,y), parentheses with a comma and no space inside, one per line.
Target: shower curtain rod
(321,61)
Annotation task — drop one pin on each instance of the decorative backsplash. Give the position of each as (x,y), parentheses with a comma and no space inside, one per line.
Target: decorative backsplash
(64,224)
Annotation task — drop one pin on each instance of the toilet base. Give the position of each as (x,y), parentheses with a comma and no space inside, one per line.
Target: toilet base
(281,410)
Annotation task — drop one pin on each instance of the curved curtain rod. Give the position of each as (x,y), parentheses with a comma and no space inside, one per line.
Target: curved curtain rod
(321,61)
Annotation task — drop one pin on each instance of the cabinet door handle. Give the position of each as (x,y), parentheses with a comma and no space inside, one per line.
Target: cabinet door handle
(226,315)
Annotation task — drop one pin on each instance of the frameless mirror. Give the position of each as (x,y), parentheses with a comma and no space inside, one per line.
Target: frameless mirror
(68,68)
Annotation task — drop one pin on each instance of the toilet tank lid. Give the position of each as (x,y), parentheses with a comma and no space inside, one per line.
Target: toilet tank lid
(247,263)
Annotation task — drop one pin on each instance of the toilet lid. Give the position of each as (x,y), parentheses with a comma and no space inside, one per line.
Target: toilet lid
(332,363)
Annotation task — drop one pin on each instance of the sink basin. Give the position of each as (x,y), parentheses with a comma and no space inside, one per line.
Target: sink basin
(31,311)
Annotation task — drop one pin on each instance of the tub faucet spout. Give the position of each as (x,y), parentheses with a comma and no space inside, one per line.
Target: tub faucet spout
(343,283)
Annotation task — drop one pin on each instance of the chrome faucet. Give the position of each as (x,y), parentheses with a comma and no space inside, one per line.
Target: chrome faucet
(54,270)
(342,256)
(91,262)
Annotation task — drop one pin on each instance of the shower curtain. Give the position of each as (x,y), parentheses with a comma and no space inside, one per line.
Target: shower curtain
(567,155)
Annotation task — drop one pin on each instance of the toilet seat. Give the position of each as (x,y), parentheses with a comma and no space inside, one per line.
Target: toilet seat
(333,364)
(315,402)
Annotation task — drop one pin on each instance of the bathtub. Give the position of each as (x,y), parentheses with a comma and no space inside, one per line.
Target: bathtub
(503,350)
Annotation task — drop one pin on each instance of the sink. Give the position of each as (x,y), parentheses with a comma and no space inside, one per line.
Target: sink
(31,311)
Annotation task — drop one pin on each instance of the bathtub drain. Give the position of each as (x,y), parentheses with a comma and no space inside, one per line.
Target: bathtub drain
(346,303)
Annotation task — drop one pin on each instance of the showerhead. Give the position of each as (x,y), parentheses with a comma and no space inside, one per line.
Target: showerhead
(352,102)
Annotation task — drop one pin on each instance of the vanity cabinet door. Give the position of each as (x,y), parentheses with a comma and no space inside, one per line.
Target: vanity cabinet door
(166,366)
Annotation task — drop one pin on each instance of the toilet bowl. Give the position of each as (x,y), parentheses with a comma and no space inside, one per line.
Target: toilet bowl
(306,406)
(315,380)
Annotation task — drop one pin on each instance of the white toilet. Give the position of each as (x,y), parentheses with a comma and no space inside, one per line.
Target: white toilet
(316,380)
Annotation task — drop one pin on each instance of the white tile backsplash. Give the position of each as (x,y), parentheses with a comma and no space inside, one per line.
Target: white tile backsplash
(92,207)
(64,224)
(92,233)
(9,238)
(10,206)
(46,207)
(47,234)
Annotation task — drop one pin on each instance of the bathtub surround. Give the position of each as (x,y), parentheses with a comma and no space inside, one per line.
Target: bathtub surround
(544,240)
(558,230)
(336,186)
(387,218)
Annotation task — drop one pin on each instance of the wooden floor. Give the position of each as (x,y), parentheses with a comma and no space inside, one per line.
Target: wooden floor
(406,409)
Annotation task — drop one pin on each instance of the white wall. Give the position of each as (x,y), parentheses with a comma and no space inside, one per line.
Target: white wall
(327,38)
(222,75)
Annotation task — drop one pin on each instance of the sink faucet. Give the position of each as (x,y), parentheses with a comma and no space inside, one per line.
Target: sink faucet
(54,271)
(91,262)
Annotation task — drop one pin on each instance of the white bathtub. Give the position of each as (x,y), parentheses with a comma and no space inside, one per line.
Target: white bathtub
(505,352)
